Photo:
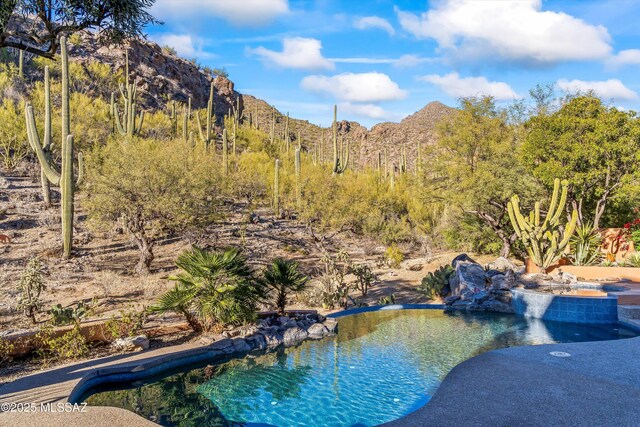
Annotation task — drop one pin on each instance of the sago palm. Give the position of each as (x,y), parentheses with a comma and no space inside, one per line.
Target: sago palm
(283,277)
(212,288)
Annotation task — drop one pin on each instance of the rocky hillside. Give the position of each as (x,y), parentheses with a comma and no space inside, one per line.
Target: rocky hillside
(162,76)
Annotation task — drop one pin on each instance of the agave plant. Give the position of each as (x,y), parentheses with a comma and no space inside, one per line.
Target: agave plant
(283,277)
(213,288)
(585,245)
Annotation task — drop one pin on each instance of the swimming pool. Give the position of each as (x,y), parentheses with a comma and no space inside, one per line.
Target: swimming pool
(381,366)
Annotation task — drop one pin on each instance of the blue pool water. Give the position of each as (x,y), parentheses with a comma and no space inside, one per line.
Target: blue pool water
(381,366)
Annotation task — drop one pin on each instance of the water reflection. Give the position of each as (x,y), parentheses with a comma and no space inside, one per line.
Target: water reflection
(381,366)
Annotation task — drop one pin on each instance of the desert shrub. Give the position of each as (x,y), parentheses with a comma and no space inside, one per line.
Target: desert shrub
(436,283)
(212,289)
(31,286)
(250,180)
(126,324)
(158,126)
(393,256)
(13,134)
(154,188)
(364,277)
(6,348)
(168,50)
(69,346)
(387,300)
(283,277)
(585,245)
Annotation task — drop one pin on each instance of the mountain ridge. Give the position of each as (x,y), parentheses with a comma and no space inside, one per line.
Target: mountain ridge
(162,75)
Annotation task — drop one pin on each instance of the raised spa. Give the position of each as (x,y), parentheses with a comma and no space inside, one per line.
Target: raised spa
(381,366)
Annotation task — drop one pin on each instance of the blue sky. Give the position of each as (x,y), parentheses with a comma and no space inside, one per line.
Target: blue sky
(382,60)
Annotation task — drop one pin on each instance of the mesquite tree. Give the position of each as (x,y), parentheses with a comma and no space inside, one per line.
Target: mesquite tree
(36,26)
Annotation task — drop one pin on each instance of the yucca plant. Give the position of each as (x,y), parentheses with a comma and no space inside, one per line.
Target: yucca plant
(585,245)
(213,289)
(283,277)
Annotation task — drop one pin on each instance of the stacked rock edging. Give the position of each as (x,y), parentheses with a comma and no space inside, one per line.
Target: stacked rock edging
(272,332)
(476,288)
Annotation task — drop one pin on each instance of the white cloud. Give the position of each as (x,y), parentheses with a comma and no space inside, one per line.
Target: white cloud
(625,57)
(364,60)
(355,87)
(369,111)
(518,31)
(297,53)
(374,22)
(245,13)
(404,61)
(611,89)
(185,45)
(454,85)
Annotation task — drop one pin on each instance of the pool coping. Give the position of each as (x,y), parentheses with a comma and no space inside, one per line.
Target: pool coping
(54,385)
(372,308)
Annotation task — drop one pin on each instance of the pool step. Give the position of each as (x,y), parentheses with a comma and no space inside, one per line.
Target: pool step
(628,312)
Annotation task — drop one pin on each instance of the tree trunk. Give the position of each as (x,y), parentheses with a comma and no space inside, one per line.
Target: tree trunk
(145,245)
(506,248)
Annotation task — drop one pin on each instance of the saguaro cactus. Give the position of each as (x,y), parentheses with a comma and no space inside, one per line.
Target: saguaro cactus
(276,189)
(298,170)
(403,159)
(173,115)
(340,158)
(286,136)
(208,134)
(129,123)
(21,63)
(64,178)
(225,153)
(272,135)
(544,241)
(46,140)
(392,178)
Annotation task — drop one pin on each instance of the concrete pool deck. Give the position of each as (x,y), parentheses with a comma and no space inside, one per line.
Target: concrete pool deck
(599,384)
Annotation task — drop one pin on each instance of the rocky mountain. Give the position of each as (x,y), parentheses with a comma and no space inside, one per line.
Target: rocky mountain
(162,76)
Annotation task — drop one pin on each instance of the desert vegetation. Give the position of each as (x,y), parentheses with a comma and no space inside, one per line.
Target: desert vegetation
(515,181)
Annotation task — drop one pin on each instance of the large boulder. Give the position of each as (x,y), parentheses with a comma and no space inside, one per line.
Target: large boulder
(138,343)
(502,264)
(272,338)
(469,278)
(331,325)
(317,331)
(462,258)
(294,335)
(503,281)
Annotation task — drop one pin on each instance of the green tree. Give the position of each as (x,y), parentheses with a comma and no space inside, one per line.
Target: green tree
(283,277)
(593,146)
(153,188)
(213,289)
(473,167)
(36,26)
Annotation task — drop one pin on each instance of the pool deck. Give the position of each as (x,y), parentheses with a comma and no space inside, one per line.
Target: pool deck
(599,384)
